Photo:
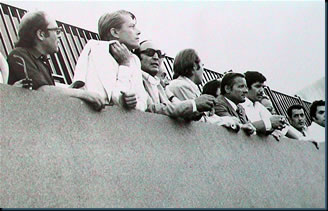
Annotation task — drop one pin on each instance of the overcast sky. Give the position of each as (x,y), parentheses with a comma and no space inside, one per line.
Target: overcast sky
(282,39)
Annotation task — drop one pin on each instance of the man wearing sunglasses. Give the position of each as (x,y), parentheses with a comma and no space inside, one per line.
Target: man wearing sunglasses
(38,37)
(151,61)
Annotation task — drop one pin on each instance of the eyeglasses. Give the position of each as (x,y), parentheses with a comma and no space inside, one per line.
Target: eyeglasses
(151,52)
(58,30)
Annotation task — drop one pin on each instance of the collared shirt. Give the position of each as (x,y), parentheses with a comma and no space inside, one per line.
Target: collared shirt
(153,82)
(317,132)
(183,88)
(256,112)
(37,69)
(159,102)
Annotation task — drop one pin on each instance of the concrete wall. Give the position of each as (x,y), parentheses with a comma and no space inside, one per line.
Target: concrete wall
(58,152)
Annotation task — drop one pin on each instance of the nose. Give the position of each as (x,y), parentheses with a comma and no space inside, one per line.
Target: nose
(155,56)
(245,90)
(138,31)
(261,91)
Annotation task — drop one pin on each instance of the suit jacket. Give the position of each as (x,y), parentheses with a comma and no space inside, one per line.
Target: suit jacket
(183,88)
(159,102)
(37,69)
(224,108)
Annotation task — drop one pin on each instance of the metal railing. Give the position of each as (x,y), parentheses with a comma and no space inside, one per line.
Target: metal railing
(73,40)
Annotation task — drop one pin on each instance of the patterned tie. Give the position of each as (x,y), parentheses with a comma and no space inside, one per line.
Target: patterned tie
(241,114)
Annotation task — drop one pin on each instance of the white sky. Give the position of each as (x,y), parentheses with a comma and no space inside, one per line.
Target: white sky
(284,40)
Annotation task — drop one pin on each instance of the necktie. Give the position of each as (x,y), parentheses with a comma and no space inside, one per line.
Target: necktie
(241,114)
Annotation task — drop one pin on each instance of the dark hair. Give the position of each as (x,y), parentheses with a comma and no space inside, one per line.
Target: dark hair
(253,77)
(184,63)
(313,107)
(212,87)
(30,24)
(137,51)
(228,80)
(111,20)
(292,107)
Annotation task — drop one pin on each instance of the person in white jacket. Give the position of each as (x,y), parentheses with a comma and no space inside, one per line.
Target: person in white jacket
(108,67)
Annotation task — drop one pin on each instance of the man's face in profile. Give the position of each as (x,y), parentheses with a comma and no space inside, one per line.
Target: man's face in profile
(128,33)
(237,93)
(320,116)
(256,91)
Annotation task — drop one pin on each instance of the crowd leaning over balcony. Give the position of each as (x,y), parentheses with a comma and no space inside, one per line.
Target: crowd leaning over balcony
(121,70)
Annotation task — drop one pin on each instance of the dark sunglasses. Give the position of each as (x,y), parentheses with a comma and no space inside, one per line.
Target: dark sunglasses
(151,52)
(58,30)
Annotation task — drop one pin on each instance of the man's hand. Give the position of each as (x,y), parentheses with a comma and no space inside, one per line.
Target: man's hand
(277,134)
(94,99)
(231,123)
(205,102)
(120,53)
(129,100)
(248,128)
(24,83)
(278,122)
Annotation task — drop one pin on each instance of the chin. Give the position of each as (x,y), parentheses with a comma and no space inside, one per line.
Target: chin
(133,46)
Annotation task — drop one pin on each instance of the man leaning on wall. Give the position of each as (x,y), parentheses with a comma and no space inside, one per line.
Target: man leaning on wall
(38,37)
(151,58)
(188,73)
(108,67)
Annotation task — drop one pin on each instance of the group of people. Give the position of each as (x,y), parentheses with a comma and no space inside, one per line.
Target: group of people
(120,70)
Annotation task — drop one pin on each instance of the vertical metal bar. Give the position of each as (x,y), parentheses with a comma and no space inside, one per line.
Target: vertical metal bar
(68,44)
(12,21)
(17,15)
(72,43)
(76,43)
(5,25)
(5,51)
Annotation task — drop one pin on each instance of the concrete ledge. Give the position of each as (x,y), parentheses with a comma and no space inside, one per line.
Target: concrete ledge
(58,152)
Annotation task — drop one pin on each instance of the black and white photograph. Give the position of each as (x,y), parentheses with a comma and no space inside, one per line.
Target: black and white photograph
(163,104)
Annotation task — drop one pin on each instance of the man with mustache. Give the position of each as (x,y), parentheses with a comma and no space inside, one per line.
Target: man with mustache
(262,119)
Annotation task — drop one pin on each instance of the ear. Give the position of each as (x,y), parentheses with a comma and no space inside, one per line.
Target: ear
(41,35)
(227,89)
(196,66)
(114,32)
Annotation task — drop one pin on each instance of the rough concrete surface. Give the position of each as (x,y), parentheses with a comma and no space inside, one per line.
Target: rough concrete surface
(58,152)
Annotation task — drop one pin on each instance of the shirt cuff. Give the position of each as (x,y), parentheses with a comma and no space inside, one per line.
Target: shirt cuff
(194,107)
(267,124)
